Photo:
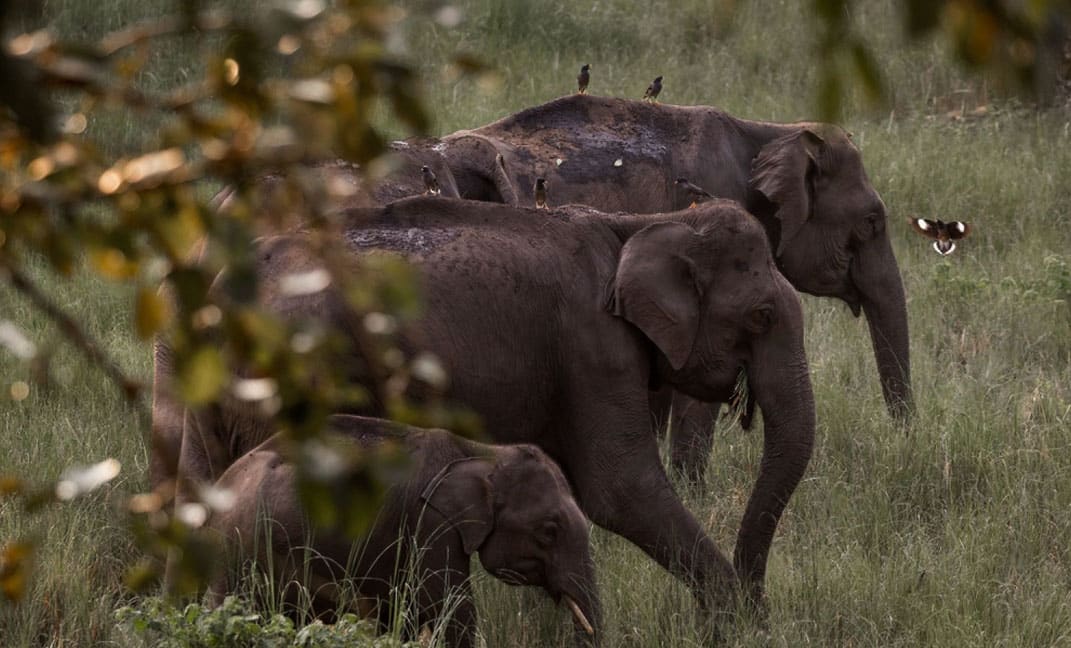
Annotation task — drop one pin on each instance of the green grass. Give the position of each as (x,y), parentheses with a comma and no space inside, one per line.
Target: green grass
(956,531)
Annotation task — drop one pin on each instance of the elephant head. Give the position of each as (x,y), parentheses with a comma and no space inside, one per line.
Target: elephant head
(712,301)
(828,227)
(479,167)
(516,512)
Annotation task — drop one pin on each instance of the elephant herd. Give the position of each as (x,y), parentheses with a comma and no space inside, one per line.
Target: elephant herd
(570,331)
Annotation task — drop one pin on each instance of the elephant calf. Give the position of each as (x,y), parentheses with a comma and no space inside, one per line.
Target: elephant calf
(509,504)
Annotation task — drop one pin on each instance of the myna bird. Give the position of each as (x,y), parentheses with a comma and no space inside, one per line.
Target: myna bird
(583,79)
(653,90)
(697,194)
(541,193)
(431,183)
(944,234)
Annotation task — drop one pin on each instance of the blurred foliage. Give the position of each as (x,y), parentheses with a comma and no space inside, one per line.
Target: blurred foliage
(1025,45)
(299,82)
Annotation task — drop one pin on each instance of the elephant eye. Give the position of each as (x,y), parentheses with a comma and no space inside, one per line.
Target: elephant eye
(547,533)
(876,223)
(761,318)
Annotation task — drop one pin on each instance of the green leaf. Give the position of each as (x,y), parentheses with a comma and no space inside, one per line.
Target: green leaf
(867,69)
(829,94)
(142,576)
(202,376)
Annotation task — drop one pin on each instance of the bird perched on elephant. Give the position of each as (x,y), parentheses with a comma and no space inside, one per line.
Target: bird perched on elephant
(805,182)
(431,182)
(553,330)
(583,79)
(510,505)
(695,193)
(652,91)
(541,193)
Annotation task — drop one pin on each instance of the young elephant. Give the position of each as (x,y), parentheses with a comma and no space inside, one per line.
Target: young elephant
(511,505)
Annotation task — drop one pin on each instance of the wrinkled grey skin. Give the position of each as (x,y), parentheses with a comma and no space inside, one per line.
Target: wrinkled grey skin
(510,505)
(554,325)
(805,182)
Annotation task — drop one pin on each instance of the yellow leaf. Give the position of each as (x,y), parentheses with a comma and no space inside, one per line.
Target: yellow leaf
(112,263)
(202,376)
(152,313)
(14,565)
(10,485)
(182,231)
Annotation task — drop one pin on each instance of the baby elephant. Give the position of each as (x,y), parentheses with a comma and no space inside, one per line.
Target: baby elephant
(509,504)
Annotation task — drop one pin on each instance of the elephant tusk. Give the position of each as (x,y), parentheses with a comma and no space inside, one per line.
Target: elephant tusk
(578,615)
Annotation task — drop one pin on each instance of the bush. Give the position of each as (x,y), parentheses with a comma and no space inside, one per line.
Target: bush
(236,624)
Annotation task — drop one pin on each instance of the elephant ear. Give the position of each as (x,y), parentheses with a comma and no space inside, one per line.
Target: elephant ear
(461,493)
(782,173)
(655,288)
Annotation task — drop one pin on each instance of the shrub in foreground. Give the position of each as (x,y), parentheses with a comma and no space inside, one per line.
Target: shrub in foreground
(235,624)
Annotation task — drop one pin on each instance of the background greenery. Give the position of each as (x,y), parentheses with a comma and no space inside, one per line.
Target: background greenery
(956,531)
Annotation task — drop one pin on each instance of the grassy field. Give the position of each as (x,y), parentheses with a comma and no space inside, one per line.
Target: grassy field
(954,532)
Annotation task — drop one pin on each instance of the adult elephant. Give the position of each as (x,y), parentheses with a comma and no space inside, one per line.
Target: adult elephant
(804,181)
(553,328)
(467,165)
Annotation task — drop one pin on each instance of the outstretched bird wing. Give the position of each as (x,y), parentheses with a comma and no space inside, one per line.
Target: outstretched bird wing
(926,227)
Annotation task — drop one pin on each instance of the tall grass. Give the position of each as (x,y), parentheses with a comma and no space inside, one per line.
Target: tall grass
(955,531)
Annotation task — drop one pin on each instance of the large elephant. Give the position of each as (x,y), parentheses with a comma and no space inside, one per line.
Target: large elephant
(553,327)
(466,165)
(510,505)
(804,181)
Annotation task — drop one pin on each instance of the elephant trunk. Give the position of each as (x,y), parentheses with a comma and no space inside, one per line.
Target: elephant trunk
(780,382)
(579,595)
(877,277)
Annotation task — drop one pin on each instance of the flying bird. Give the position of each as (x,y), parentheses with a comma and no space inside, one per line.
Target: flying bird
(431,183)
(944,234)
(653,90)
(541,193)
(697,194)
(583,79)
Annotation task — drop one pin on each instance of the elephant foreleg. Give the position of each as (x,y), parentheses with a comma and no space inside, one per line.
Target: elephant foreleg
(692,435)
(623,488)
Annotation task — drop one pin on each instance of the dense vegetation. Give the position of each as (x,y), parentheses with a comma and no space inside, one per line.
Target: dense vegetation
(954,531)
